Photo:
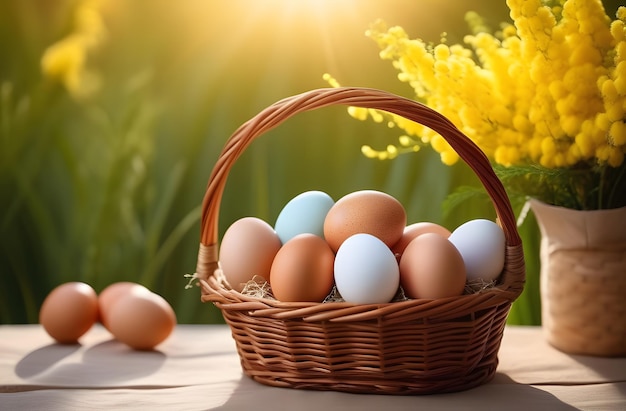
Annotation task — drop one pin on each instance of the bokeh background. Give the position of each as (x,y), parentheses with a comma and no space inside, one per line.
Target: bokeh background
(105,151)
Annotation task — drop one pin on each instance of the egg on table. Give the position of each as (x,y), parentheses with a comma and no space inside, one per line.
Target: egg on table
(141,319)
(109,296)
(69,311)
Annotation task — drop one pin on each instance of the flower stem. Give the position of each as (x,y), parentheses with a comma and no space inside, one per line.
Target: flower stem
(601,191)
(617,187)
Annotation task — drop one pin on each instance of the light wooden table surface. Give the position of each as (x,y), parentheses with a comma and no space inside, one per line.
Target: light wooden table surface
(197,368)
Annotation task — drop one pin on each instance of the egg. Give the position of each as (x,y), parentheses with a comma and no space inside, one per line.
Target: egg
(247,249)
(304,213)
(109,296)
(69,311)
(366,271)
(416,229)
(367,212)
(431,267)
(303,270)
(482,244)
(141,320)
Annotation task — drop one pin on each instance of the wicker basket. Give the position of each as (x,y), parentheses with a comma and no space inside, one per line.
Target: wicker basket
(407,347)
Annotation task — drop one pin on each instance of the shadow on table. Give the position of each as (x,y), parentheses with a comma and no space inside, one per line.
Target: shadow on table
(501,393)
(44,358)
(610,368)
(106,363)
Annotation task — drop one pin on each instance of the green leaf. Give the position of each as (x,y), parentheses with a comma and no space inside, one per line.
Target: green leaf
(461,196)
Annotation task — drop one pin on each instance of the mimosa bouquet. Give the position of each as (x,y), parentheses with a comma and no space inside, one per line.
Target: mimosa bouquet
(544,97)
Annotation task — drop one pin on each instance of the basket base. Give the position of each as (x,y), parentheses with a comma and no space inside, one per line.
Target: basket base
(394,387)
(410,358)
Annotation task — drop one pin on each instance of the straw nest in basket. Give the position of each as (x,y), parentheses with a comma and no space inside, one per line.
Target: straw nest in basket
(259,287)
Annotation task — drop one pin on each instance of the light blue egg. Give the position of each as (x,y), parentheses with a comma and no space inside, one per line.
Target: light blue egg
(305,213)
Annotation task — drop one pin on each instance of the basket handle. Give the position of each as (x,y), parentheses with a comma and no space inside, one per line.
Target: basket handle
(277,113)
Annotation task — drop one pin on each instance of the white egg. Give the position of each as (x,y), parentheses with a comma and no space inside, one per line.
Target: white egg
(482,245)
(366,271)
(305,213)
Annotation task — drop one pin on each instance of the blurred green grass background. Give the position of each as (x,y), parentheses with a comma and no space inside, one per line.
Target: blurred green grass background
(107,187)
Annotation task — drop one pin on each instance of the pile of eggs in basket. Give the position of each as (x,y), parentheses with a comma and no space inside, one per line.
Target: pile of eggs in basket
(360,244)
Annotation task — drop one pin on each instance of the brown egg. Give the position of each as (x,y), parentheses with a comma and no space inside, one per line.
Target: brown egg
(368,212)
(416,229)
(69,311)
(303,270)
(141,320)
(111,294)
(431,267)
(248,249)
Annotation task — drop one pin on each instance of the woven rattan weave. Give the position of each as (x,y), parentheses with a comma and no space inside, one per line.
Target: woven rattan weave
(406,347)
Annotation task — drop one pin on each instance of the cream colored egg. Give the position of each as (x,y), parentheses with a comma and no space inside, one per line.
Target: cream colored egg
(247,250)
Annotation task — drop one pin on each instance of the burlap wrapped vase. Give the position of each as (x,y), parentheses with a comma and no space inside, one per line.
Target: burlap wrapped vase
(583,279)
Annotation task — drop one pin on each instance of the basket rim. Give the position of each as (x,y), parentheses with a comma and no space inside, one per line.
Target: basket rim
(216,290)
(275,114)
